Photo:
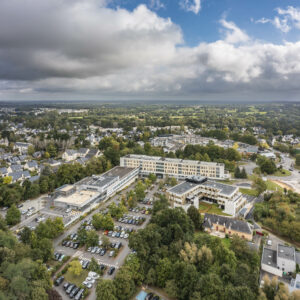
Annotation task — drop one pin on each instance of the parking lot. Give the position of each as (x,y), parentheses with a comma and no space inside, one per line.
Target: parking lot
(134,219)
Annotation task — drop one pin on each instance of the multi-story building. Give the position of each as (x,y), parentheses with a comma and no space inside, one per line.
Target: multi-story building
(227,197)
(282,260)
(94,189)
(226,225)
(178,168)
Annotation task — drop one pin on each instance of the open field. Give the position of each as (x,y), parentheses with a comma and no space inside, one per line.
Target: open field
(246,191)
(76,279)
(210,209)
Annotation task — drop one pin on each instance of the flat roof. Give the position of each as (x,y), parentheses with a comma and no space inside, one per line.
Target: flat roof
(224,189)
(269,257)
(79,198)
(173,160)
(66,188)
(183,187)
(286,252)
(119,171)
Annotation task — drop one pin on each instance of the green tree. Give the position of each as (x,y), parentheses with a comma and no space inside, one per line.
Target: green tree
(124,283)
(237,172)
(92,238)
(140,191)
(82,235)
(13,215)
(75,268)
(173,181)
(298,159)
(105,241)
(106,290)
(195,216)
(259,185)
(25,235)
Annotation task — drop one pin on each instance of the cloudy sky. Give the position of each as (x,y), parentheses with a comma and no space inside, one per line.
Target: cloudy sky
(150,49)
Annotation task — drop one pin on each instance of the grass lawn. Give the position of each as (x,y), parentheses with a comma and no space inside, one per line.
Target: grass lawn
(76,279)
(282,173)
(272,186)
(226,242)
(250,192)
(210,209)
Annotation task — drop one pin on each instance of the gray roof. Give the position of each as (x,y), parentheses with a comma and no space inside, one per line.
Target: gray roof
(16,168)
(297,257)
(3,170)
(286,252)
(32,164)
(269,257)
(34,178)
(229,223)
(119,171)
(224,189)
(183,187)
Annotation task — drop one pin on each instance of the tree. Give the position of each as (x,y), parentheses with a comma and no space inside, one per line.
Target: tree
(152,177)
(30,150)
(13,215)
(298,159)
(92,238)
(173,181)
(195,216)
(82,235)
(237,172)
(106,290)
(259,185)
(105,241)
(124,283)
(93,266)
(140,191)
(244,173)
(7,179)
(103,222)
(25,235)
(75,268)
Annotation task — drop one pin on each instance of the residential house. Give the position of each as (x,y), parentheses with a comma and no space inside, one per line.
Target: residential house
(227,225)
(31,166)
(22,147)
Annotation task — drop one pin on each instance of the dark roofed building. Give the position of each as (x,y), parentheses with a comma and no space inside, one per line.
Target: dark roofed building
(226,225)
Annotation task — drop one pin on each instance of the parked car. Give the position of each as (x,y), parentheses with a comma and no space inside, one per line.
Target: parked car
(59,280)
(111,270)
(79,294)
(111,253)
(70,288)
(66,285)
(74,292)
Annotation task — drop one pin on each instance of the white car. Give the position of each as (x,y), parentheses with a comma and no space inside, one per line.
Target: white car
(126,236)
(111,253)
(269,243)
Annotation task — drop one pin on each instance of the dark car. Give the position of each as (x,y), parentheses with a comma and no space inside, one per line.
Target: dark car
(149,296)
(102,267)
(155,298)
(59,280)
(64,243)
(111,270)
(75,245)
(74,292)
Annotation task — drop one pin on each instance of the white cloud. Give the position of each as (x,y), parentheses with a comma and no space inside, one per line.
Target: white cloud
(233,33)
(191,5)
(286,19)
(156,4)
(69,49)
